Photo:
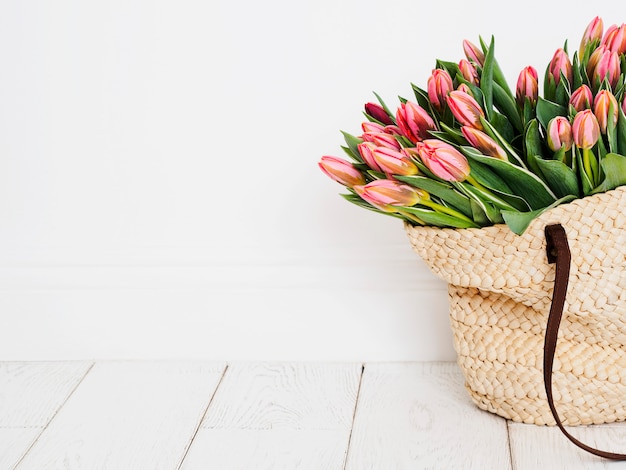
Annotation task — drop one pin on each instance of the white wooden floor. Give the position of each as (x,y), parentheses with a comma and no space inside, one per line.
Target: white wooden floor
(149,415)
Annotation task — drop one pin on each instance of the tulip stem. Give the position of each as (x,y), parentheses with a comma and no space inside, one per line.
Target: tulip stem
(591,166)
(445,210)
(411,217)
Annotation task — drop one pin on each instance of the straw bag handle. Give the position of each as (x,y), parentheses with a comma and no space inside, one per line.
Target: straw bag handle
(558,252)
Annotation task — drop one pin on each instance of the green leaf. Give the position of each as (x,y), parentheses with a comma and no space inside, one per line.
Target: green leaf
(546,110)
(561,179)
(533,144)
(507,106)
(443,191)
(354,199)
(421,96)
(485,201)
(354,156)
(352,142)
(438,219)
(385,107)
(611,131)
(522,182)
(614,167)
(518,221)
(585,180)
(486,79)
(478,214)
(502,142)
(621,133)
(451,67)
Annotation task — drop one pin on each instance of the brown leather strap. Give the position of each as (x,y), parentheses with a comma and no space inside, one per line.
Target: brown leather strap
(559,252)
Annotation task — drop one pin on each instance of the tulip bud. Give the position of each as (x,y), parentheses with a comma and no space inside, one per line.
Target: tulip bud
(473,53)
(601,108)
(560,63)
(585,129)
(341,171)
(593,32)
(443,160)
(468,71)
(393,130)
(366,150)
(385,140)
(608,67)
(378,112)
(372,127)
(615,39)
(393,162)
(594,58)
(582,98)
(386,195)
(465,109)
(465,89)
(414,122)
(527,86)
(439,85)
(559,134)
(481,141)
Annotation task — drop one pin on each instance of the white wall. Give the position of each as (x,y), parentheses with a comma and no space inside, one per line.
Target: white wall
(159,189)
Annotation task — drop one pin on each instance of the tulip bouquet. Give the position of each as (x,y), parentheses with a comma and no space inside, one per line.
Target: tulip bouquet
(468,152)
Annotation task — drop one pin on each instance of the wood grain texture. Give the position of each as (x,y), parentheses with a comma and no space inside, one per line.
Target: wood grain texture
(285,396)
(263,449)
(128,415)
(534,447)
(32,392)
(14,442)
(419,416)
(278,416)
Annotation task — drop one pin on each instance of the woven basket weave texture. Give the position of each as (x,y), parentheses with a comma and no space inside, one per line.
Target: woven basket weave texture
(500,289)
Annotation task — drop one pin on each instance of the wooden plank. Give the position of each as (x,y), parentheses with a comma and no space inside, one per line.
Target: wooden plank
(14,442)
(32,392)
(418,416)
(128,415)
(278,416)
(534,447)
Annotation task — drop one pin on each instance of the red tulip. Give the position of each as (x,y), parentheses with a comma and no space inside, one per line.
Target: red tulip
(414,122)
(378,112)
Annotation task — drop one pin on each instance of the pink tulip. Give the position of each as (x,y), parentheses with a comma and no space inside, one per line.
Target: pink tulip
(341,171)
(481,141)
(582,98)
(473,53)
(560,63)
(465,109)
(594,58)
(443,160)
(585,129)
(608,67)
(465,89)
(414,122)
(559,134)
(393,162)
(468,71)
(527,86)
(385,140)
(387,195)
(439,85)
(393,130)
(601,108)
(592,33)
(366,149)
(378,112)
(615,39)
(372,127)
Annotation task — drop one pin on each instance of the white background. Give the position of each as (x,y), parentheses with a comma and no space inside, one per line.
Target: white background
(159,189)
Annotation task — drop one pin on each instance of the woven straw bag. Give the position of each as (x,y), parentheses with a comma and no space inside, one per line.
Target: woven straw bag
(501,287)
